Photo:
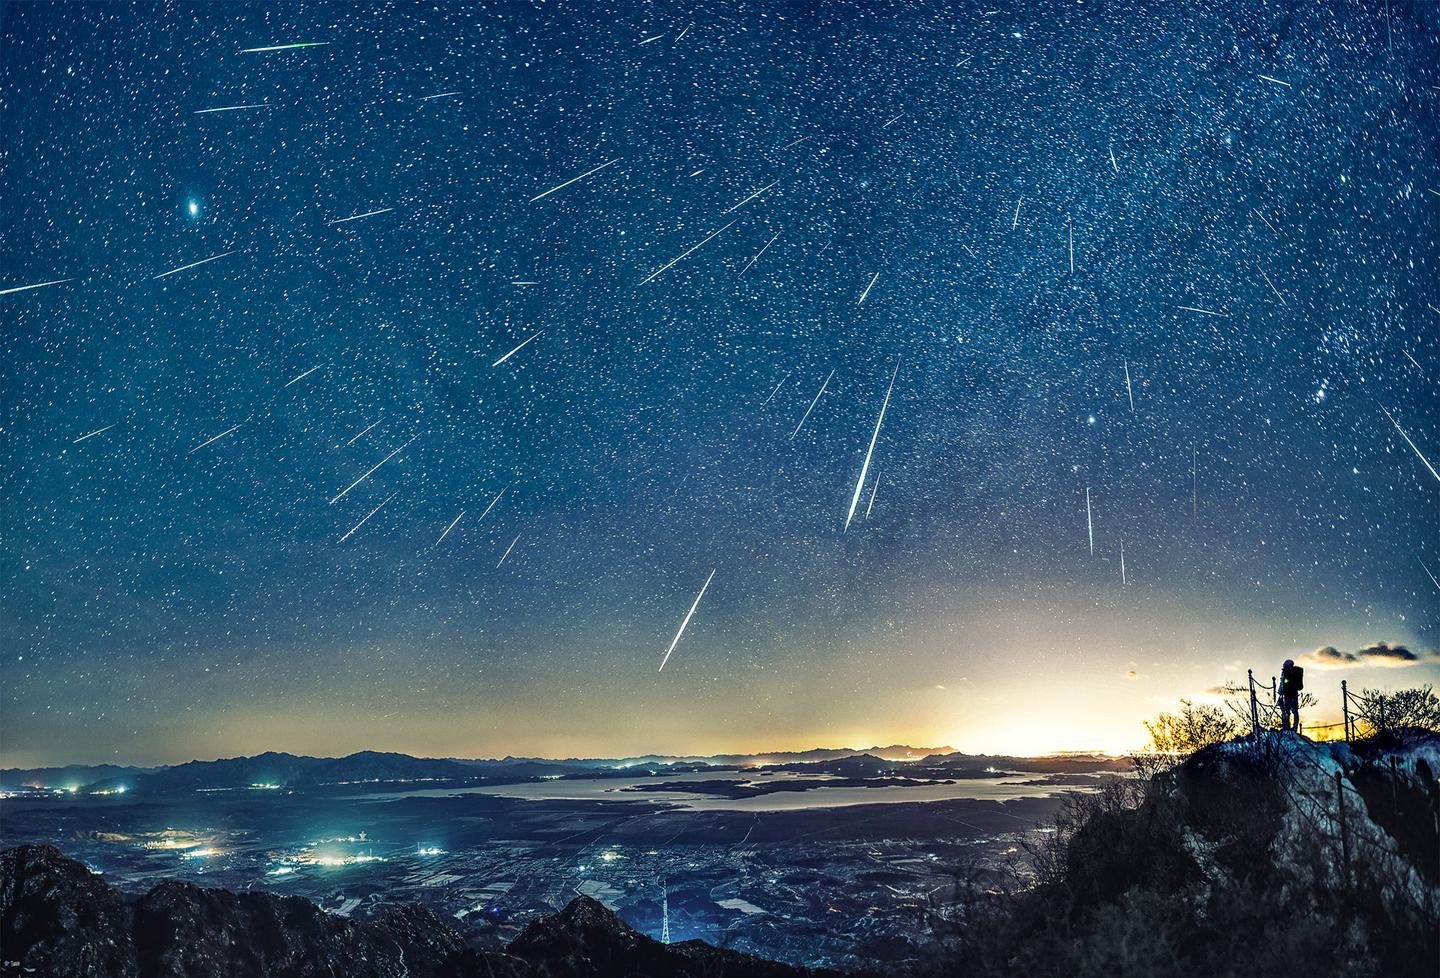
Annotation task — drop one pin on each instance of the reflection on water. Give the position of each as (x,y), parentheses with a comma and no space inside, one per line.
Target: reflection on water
(1000,788)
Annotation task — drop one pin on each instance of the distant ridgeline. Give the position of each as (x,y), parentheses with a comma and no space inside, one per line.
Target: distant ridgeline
(280,771)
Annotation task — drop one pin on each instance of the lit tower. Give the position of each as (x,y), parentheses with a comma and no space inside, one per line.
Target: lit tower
(664,912)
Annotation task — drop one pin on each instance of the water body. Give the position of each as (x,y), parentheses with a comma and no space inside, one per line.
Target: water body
(999,788)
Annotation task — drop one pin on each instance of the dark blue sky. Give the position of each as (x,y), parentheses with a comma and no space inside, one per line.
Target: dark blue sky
(163,600)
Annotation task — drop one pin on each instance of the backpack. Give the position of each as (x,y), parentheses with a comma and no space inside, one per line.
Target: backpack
(1294,680)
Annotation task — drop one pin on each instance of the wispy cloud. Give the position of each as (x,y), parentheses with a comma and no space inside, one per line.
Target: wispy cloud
(1387,654)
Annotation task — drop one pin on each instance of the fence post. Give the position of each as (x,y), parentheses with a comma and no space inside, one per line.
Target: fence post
(1345,707)
(1254,712)
(1344,834)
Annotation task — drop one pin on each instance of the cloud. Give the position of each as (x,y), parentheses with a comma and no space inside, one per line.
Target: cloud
(1132,674)
(1387,654)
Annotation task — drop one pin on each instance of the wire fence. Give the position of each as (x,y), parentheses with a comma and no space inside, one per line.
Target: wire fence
(1328,819)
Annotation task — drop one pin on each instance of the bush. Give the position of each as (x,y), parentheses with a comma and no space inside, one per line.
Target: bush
(1417,708)
(1192,729)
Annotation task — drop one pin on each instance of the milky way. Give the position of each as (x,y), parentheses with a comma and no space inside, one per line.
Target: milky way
(1162,273)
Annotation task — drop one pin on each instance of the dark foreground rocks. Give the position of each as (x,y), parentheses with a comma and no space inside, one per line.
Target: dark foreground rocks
(58,918)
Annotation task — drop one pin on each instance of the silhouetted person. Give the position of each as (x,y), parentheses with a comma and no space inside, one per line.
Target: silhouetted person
(1292,681)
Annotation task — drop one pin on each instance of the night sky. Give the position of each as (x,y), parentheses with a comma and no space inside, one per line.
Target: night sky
(1237,203)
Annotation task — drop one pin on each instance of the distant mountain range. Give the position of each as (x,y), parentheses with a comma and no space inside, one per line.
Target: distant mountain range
(368,769)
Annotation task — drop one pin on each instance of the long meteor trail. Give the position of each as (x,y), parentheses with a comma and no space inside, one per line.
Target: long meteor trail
(866,293)
(493,502)
(676,640)
(570,181)
(517,349)
(207,441)
(94,433)
(285,47)
(233,108)
(1129,392)
(1413,446)
(508,549)
(194,264)
(751,197)
(307,373)
(449,528)
(695,247)
(356,217)
(777,389)
(758,254)
(865,469)
(1089,522)
(372,470)
(37,285)
(367,517)
(818,394)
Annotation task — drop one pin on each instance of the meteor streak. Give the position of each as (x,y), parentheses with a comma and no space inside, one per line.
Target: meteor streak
(285,47)
(209,440)
(367,517)
(750,198)
(305,374)
(94,433)
(867,289)
(569,182)
(233,108)
(449,528)
(864,469)
(1128,390)
(193,264)
(363,431)
(37,285)
(508,549)
(372,470)
(356,217)
(1123,579)
(517,349)
(1430,575)
(777,388)
(426,98)
(493,502)
(1208,312)
(758,254)
(1089,522)
(874,487)
(818,394)
(676,640)
(1412,445)
(1272,286)
(1276,81)
(692,248)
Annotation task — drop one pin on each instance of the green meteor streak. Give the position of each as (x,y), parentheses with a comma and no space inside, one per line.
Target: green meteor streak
(286,47)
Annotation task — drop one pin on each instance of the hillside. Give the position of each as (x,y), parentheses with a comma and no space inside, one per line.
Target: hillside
(58,918)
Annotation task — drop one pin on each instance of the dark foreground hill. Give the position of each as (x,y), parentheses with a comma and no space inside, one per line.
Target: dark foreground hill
(58,918)
(1277,857)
